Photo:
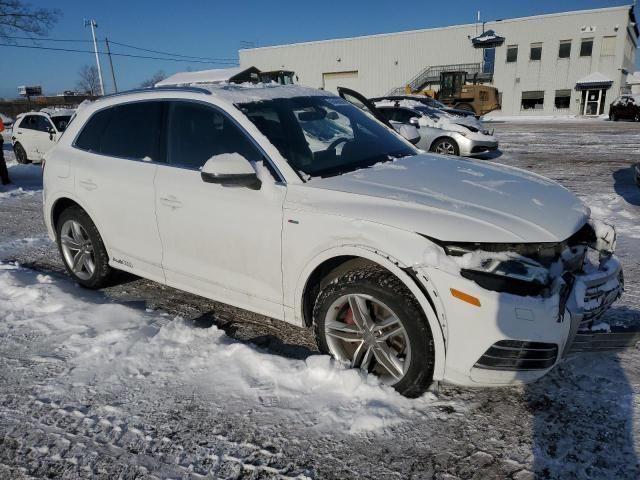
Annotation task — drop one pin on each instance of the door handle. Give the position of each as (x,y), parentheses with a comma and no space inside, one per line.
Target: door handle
(171,202)
(88,184)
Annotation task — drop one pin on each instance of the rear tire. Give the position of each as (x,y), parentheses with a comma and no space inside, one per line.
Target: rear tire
(465,106)
(396,343)
(21,154)
(82,250)
(445,146)
(637,117)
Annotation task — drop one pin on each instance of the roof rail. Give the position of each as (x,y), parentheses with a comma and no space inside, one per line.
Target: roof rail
(155,89)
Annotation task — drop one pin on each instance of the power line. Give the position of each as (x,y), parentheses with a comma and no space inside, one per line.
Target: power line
(171,54)
(75,50)
(48,39)
(69,40)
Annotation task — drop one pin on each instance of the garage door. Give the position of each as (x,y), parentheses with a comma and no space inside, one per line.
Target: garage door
(332,80)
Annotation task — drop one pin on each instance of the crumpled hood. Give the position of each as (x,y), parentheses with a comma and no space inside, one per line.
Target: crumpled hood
(452,199)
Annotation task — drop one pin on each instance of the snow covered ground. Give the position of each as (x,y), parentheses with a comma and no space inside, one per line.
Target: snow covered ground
(143,381)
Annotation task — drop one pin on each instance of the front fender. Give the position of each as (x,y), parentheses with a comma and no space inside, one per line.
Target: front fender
(397,268)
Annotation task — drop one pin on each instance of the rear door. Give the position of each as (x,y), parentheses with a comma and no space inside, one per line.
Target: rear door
(114,178)
(27,135)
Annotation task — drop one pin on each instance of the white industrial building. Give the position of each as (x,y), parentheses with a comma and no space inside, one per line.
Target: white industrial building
(572,63)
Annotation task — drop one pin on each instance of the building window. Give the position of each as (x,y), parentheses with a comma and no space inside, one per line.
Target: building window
(536,51)
(564,51)
(586,47)
(512,53)
(532,100)
(563,99)
(608,45)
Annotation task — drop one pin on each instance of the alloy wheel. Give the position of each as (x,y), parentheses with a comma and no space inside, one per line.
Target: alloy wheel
(366,333)
(446,148)
(77,249)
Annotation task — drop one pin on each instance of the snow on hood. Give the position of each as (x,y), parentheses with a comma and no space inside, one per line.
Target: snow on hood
(456,199)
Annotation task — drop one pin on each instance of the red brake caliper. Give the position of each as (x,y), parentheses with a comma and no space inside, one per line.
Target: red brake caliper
(348,317)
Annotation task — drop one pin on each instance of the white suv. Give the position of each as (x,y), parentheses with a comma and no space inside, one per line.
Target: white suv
(295,204)
(35,133)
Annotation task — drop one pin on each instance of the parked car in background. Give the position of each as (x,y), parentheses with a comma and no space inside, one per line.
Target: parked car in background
(293,203)
(625,107)
(429,102)
(7,121)
(34,133)
(439,131)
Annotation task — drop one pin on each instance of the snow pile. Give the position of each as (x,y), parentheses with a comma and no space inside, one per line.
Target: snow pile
(108,345)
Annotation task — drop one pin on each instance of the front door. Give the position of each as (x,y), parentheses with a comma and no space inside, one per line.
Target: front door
(44,138)
(219,241)
(592,101)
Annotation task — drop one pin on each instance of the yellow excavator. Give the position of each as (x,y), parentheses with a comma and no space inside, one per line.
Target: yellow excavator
(457,93)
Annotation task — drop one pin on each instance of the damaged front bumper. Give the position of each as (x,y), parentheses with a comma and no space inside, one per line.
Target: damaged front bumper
(508,338)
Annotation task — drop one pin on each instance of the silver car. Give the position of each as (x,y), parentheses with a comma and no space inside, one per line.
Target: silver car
(440,132)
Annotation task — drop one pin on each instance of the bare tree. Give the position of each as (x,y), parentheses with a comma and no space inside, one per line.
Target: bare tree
(158,76)
(19,17)
(89,81)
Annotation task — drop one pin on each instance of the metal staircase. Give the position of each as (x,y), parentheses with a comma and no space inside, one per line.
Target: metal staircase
(431,76)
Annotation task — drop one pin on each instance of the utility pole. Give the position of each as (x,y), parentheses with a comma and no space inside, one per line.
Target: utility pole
(93,24)
(113,74)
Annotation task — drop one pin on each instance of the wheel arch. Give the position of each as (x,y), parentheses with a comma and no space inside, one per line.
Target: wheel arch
(317,269)
(444,137)
(60,204)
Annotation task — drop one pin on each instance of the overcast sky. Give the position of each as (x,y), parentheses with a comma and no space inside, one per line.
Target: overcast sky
(218,29)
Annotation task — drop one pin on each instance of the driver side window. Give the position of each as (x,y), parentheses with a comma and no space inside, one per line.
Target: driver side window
(197,132)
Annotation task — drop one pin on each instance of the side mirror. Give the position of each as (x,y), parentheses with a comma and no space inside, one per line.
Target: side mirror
(52,132)
(414,121)
(230,169)
(409,132)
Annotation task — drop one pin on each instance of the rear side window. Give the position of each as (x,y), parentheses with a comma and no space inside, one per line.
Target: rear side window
(198,132)
(132,130)
(30,122)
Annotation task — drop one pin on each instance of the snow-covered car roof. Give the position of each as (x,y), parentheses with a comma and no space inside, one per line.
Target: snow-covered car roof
(57,112)
(5,119)
(255,92)
(400,103)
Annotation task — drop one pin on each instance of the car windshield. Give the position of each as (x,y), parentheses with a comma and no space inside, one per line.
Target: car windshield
(61,122)
(324,136)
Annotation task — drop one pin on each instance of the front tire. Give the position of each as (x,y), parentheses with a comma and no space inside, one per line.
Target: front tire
(365,316)
(21,154)
(83,253)
(445,146)
(637,117)
(613,117)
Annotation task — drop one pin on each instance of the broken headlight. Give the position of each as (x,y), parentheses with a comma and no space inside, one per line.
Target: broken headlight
(503,267)
(516,275)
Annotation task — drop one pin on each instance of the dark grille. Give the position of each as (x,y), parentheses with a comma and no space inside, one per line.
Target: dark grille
(518,355)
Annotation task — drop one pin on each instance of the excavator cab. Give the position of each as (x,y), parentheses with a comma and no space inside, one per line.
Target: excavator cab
(451,85)
(283,77)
